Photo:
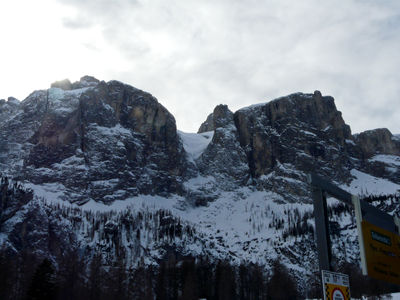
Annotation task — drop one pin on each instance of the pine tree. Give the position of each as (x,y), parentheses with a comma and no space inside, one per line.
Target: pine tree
(189,290)
(43,285)
(225,282)
(96,275)
(281,285)
(71,277)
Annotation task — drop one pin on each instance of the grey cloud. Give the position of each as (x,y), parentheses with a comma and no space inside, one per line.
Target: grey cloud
(242,52)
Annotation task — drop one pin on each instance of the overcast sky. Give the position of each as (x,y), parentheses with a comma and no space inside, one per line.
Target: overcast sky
(195,54)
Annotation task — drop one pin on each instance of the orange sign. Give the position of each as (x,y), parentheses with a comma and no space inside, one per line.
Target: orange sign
(382,252)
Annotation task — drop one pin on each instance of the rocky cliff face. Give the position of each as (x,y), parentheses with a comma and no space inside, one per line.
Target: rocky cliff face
(377,141)
(379,153)
(109,141)
(302,129)
(224,158)
(207,125)
(291,136)
(287,138)
(235,191)
(101,141)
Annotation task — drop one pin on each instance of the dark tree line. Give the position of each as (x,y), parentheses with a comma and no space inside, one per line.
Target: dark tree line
(182,278)
(105,271)
(381,198)
(389,202)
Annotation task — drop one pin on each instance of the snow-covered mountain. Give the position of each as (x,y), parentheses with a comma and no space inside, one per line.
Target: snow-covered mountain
(100,167)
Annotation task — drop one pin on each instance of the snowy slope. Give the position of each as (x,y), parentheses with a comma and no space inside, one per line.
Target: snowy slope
(241,225)
(134,183)
(365,184)
(195,143)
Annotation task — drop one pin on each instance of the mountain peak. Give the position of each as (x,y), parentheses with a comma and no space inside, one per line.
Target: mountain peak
(378,140)
(113,151)
(220,117)
(66,85)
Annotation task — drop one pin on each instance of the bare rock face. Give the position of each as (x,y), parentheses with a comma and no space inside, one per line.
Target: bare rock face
(377,141)
(108,141)
(273,132)
(224,157)
(101,141)
(85,81)
(291,136)
(219,118)
(207,125)
(379,153)
(8,108)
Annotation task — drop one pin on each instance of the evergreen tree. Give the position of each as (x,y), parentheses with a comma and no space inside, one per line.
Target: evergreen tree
(71,277)
(225,282)
(95,280)
(7,275)
(205,278)
(189,290)
(43,285)
(281,285)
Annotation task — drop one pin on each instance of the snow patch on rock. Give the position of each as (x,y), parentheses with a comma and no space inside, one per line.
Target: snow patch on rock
(387,159)
(195,143)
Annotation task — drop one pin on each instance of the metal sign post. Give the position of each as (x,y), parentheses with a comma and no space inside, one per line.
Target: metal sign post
(320,188)
(378,233)
(322,230)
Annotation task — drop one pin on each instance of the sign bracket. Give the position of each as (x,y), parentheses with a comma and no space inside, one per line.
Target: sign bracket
(378,232)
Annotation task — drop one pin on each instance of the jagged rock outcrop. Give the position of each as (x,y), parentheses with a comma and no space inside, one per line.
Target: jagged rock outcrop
(379,151)
(291,136)
(274,131)
(92,140)
(108,141)
(377,141)
(8,108)
(85,81)
(294,135)
(207,125)
(224,157)
(95,139)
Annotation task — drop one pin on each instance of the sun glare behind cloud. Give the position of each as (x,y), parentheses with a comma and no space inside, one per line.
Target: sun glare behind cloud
(40,50)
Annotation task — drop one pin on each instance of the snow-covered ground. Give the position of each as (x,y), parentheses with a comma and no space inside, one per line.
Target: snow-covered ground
(244,224)
(365,184)
(241,222)
(387,159)
(395,296)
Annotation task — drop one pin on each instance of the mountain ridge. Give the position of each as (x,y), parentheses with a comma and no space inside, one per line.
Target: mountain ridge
(105,170)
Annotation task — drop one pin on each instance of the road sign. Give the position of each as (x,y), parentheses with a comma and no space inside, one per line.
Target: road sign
(379,240)
(336,286)
(378,233)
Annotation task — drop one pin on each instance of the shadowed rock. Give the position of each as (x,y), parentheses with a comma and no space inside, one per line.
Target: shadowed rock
(102,141)
(207,125)
(224,157)
(377,141)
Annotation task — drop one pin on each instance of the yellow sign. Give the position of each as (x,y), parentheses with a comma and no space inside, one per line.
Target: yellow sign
(382,252)
(336,286)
